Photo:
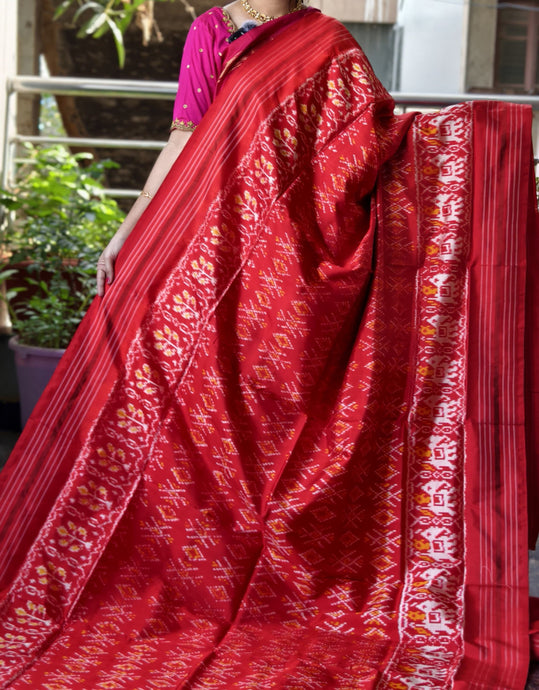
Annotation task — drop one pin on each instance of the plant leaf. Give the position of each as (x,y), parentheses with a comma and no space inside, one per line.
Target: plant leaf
(118,40)
(62,8)
(88,5)
(92,25)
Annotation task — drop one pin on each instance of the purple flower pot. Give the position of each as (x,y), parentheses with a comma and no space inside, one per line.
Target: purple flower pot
(35,366)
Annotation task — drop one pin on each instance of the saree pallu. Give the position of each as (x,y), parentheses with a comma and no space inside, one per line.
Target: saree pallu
(290,447)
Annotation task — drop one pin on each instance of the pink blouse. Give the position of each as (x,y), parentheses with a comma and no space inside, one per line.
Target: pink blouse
(200,68)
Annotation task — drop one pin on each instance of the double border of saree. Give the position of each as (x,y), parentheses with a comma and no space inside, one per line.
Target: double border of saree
(442,303)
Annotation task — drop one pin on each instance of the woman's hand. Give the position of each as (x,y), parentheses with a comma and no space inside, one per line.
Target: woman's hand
(105,265)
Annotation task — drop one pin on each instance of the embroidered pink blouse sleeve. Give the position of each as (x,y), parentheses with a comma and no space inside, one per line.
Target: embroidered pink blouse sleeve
(200,68)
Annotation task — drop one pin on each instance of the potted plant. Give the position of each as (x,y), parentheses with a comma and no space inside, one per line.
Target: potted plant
(59,221)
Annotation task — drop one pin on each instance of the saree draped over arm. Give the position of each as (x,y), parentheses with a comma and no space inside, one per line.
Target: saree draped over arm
(288,448)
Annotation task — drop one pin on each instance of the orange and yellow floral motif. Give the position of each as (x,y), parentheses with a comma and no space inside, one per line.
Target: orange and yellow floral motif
(93,496)
(34,615)
(111,458)
(131,418)
(167,341)
(203,270)
(73,537)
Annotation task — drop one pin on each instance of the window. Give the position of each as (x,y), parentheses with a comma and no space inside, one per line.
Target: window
(517,48)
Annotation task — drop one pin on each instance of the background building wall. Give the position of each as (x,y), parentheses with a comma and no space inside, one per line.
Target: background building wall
(8,68)
(8,59)
(481,45)
(372,23)
(433,46)
(378,11)
(414,45)
(380,43)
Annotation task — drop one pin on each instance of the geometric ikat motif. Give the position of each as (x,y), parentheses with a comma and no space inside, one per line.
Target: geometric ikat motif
(268,459)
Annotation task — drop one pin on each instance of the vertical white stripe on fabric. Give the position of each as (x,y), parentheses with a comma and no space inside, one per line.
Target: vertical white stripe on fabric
(500,321)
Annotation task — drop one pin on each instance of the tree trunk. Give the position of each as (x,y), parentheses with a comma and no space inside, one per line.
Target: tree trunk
(122,118)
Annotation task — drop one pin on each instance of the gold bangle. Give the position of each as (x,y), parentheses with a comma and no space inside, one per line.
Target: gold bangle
(146,194)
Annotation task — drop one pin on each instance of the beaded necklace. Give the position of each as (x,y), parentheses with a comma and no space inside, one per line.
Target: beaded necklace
(260,16)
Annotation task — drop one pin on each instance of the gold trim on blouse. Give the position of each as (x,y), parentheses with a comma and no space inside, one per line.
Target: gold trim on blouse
(228,21)
(183,126)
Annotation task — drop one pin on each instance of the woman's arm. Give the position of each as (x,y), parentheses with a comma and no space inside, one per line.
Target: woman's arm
(105,266)
(200,67)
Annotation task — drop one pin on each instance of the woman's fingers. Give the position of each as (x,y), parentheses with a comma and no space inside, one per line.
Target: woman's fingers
(105,272)
(109,267)
(107,260)
(101,277)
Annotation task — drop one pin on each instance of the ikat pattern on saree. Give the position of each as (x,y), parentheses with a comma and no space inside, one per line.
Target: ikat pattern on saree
(235,518)
(432,603)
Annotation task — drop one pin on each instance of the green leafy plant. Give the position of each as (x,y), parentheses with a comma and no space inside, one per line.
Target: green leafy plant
(59,222)
(98,17)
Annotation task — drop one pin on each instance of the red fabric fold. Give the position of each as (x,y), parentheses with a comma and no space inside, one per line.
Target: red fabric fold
(288,448)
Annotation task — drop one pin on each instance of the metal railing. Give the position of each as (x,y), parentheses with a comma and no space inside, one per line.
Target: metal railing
(70,86)
(166,90)
(441,100)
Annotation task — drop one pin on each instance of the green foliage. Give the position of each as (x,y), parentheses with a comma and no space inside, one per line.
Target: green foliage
(98,17)
(60,222)
(50,121)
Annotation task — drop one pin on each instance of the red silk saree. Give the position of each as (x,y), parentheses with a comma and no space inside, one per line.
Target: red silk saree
(292,446)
